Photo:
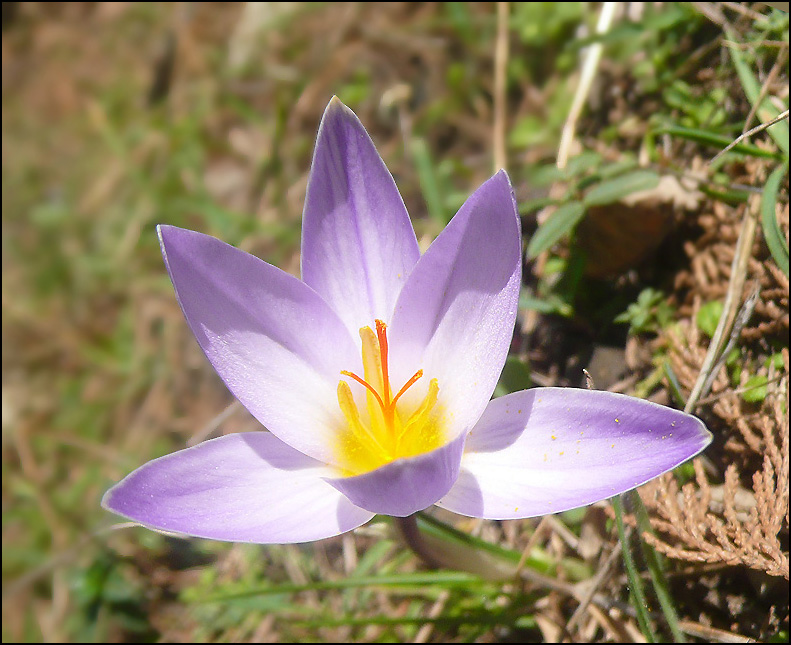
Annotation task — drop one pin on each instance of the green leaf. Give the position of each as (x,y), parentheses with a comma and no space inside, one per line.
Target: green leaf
(772,233)
(717,141)
(755,389)
(559,223)
(541,305)
(617,168)
(534,205)
(552,303)
(429,183)
(651,312)
(587,160)
(709,317)
(515,377)
(613,190)
(775,360)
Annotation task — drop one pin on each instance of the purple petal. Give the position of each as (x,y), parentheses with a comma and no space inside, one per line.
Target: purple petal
(547,450)
(455,316)
(248,487)
(405,486)
(273,340)
(358,245)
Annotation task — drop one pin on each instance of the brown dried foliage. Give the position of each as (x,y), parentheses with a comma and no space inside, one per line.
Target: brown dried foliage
(727,523)
(744,519)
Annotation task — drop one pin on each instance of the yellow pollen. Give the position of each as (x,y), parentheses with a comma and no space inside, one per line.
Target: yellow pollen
(385,431)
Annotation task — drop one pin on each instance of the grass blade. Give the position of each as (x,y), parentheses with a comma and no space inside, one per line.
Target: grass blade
(635,582)
(561,222)
(654,564)
(717,141)
(419,579)
(772,233)
(752,88)
(428,180)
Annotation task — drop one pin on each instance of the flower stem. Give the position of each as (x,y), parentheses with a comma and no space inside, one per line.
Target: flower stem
(408,530)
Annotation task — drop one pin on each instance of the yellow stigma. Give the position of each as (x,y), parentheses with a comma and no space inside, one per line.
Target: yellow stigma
(385,430)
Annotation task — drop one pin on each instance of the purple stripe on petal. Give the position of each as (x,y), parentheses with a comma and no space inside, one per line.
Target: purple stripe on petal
(455,316)
(547,450)
(358,245)
(405,486)
(248,487)
(273,340)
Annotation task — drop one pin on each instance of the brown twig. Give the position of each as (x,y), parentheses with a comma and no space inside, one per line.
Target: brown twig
(749,133)
(589,67)
(732,302)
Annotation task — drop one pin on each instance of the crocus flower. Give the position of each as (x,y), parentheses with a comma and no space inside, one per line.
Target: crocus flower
(373,375)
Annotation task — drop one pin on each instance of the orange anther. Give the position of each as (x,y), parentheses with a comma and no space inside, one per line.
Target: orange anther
(381,334)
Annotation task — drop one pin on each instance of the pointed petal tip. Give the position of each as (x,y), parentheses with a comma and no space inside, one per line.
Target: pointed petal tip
(106,502)
(547,450)
(503,175)
(168,234)
(706,436)
(358,243)
(501,181)
(247,487)
(164,229)
(169,228)
(335,104)
(338,110)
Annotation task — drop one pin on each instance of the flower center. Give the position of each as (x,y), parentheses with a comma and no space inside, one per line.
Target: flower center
(386,430)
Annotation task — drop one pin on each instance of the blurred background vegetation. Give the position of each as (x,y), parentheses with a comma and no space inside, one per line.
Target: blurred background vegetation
(643,251)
